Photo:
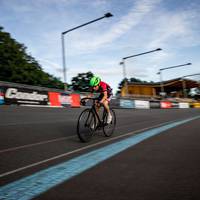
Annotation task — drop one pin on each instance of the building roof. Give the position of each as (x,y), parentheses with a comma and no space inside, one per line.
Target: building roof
(175,83)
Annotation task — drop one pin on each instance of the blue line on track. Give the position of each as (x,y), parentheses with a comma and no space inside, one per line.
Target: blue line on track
(33,185)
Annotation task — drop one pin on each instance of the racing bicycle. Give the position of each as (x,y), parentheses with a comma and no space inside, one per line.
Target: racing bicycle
(90,121)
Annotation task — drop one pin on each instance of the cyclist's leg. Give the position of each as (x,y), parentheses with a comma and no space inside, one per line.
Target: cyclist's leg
(97,106)
(106,105)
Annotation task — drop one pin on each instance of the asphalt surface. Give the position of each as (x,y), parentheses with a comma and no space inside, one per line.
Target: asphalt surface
(165,166)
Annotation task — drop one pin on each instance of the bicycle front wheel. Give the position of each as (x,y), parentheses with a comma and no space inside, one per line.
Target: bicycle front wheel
(86,125)
(108,129)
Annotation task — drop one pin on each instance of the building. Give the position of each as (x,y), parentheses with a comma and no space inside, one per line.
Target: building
(172,88)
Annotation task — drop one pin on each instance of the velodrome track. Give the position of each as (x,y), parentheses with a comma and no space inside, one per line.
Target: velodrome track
(40,155)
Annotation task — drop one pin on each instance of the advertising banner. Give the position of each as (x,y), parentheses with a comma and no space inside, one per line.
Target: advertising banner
(1,97)
(75,100)
(154,104)
(65,99)
(184,105)
(165,104)
(175,105)
(124,103)
(14,95)
(195,105)
(54,98)
(115,103)
(142,104)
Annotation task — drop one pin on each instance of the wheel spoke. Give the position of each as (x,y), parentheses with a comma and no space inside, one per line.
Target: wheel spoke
(85,123)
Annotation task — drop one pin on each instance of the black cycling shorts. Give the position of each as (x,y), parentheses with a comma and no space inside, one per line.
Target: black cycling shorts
(102,95)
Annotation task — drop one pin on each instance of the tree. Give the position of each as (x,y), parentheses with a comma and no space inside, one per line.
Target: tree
(17,66)
(80,82)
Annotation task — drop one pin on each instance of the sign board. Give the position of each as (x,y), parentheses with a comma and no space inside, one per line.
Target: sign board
(65,99)
(1,97)
(175,105)
(14,95)
(154,104)
(54,98)
(142,104)
(124,103)
(165,104)
(75,100)
(184,105)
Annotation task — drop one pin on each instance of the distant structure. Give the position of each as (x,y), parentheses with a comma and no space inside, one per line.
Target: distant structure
(172,88)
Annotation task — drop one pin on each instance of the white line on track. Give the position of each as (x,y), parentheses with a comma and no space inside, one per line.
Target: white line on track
(35,144)
(80,149)
(43,142)
(31,123)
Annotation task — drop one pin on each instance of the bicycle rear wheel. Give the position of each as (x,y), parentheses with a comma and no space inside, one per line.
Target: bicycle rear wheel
(108,129)
(86,125)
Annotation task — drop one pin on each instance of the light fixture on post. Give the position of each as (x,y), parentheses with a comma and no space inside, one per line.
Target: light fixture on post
(124,66)
(107,15)
(161,79)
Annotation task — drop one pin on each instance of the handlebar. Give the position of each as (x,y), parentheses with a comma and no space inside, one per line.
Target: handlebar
(83,100)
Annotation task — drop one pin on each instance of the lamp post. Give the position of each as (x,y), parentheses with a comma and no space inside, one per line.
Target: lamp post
(184,83)
(161,80)
(124,66)
(63,44)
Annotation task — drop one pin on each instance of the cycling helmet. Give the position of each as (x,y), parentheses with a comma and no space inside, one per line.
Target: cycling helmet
(94,81)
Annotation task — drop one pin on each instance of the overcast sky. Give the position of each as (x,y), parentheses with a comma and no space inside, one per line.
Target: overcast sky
(137,26)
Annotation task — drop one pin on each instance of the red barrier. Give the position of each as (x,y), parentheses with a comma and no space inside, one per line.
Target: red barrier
(54,98)
(165,104)
(75,100)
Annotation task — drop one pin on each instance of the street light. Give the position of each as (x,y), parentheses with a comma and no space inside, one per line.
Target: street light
(160,73)
(107,15)
(124,66)
(184,83)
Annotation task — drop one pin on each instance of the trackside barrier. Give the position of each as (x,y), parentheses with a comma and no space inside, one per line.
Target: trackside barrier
(175,104)
(54,98)
(57,99)
(125,103)
(17,95)
(20,94)
(13,93)
(165,104)
(184,105)
(142,104)
(75,100)
(1,97)
(155,104)
(195,105)
(65,99)
(115,103)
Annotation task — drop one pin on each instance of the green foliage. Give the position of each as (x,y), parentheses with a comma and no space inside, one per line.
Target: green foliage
(19,67)
(80,83)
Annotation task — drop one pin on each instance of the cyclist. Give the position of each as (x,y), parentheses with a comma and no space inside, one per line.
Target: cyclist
(105,94)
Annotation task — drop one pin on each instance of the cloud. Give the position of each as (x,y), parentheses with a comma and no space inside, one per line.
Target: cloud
(178,28)
(137,26)
(125,24)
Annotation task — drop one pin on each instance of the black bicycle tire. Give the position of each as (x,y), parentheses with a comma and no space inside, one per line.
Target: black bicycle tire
(81,135)
(105,124)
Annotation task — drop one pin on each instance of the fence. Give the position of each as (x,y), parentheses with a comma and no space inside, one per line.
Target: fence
(20,94)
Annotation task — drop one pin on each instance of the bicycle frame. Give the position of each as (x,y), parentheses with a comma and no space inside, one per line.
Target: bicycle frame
(95,120)
(93,109)
(97,115)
